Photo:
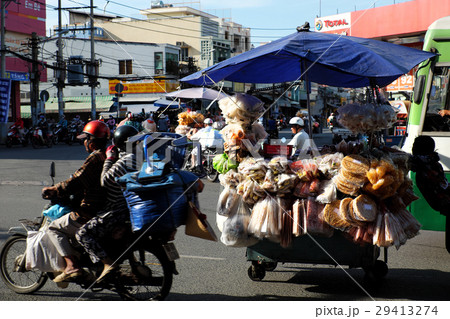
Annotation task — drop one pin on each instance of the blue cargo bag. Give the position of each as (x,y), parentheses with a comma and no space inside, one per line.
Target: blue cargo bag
(159,203)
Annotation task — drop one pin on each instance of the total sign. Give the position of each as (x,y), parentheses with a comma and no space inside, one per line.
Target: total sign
(338,22)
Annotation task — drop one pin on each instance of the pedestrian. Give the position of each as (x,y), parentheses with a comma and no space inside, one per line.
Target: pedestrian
(90,196)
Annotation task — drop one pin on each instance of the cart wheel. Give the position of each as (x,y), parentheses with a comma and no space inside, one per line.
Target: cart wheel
(256,272)
(270,266)
(376,272)
(380,269)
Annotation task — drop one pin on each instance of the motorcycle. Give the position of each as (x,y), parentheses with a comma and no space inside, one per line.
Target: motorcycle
(38,139)
(206,164)
(15,138)
(59,134)
(73,130)
(145,267)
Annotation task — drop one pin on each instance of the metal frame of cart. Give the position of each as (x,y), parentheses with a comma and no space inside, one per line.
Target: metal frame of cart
(307,249)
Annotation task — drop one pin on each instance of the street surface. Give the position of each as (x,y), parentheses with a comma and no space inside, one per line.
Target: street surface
(210,271)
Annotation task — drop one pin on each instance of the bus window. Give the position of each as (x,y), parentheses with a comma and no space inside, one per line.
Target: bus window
(439,99)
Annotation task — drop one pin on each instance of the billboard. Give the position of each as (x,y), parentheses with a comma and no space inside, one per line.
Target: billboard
(26,16)
(333,24)
(144,86)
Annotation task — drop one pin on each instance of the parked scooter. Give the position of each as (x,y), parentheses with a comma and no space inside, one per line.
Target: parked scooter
(38,139)
(145,266)
(15,138)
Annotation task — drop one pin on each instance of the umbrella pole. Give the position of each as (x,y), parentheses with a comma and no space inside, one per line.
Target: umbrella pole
(308,104)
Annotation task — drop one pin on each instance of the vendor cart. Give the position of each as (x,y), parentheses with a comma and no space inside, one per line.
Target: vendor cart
(327,59)
(336,250)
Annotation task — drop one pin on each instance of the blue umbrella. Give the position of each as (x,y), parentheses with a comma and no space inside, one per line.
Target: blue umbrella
(330,59)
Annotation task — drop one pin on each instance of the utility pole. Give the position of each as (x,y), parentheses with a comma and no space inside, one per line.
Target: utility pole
(34,77)
(3,59)
(60,73)
(93,68)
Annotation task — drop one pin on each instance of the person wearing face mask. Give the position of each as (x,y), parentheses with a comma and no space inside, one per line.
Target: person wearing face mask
(90,197)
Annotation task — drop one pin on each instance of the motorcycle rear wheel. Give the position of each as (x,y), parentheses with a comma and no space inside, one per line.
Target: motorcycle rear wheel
(21,282)
(147,275)
(34,142)
(211,174)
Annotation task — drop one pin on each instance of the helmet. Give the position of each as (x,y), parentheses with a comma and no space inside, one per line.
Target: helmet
(97,129)
(208,121)
(296,121)
(121,135)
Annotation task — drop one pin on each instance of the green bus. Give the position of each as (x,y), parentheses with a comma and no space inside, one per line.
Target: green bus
(431,94)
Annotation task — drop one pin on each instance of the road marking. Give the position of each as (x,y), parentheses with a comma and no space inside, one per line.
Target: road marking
(202,257)
(22,183)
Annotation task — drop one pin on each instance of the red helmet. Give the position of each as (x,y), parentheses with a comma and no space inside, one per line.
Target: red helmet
(97,129)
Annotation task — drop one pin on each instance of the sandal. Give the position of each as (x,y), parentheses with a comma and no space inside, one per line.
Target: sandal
(63,277)
(106,272)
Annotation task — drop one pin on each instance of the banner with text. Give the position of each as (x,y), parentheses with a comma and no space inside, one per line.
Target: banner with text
(5,94)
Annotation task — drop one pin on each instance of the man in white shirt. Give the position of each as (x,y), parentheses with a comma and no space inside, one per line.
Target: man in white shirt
(207,137)
(300,136)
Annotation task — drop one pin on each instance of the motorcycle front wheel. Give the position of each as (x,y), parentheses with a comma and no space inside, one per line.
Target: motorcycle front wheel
(9,142)
(13,275)
(211,174)
(34,142)
(146,275)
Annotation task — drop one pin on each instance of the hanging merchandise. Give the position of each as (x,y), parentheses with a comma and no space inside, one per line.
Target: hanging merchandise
(235,228)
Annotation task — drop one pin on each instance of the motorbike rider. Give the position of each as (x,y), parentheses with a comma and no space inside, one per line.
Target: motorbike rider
(111,123)
(297,128)
(112,222)
(89,195)
(43,124)
(63,123)
(20,128)
(207,137)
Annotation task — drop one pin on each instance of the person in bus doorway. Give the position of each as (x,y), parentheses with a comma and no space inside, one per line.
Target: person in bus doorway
(297,128)
(430,178)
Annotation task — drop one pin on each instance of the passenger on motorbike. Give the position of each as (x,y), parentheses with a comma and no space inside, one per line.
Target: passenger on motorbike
(90,197)
(111,223)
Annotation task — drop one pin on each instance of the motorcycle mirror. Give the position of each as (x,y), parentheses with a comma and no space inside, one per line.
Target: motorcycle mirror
(283,140)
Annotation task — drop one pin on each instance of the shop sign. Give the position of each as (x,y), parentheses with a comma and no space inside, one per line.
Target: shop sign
(403,83)
(5,94)
(333,23)
(17,76)
(139,87)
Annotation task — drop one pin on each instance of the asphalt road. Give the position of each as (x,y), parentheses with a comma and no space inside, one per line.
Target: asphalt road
(210,271)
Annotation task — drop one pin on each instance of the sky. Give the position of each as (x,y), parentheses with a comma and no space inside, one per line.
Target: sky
(268,19)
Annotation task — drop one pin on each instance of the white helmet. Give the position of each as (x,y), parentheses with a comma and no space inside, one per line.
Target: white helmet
(296,121)
(208,121)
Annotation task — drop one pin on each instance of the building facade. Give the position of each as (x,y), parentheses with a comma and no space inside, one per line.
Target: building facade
(136,65)
(22,18)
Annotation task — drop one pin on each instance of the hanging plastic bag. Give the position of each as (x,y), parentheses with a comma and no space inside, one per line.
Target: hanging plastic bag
(235,232)
(228,202)
(56,211)
(42,254)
